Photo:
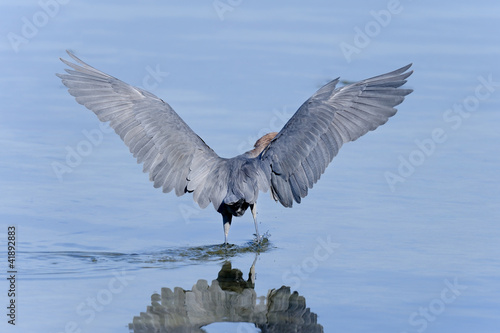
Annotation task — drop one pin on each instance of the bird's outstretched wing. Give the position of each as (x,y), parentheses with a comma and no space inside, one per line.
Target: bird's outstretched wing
(302,150)
(175,157)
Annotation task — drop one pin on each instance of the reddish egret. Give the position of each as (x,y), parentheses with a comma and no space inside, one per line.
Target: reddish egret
(289,162)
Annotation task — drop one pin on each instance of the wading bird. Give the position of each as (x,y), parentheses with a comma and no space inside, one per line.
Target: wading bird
(288,163)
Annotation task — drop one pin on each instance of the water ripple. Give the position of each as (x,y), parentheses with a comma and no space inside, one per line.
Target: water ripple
(85,264)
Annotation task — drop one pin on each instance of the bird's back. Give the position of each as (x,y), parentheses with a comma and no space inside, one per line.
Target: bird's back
(245,179)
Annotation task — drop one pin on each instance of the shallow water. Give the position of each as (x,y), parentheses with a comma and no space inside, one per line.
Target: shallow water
(98,247)
(54,264)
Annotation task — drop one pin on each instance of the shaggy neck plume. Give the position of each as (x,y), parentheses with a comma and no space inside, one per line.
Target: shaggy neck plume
(261,144)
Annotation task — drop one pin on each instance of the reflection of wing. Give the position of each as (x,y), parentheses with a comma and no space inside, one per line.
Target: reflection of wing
(188,310)
(305,146)
(287,312)
(171,152)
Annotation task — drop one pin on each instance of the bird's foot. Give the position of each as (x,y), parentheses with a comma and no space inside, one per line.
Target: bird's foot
(227,245)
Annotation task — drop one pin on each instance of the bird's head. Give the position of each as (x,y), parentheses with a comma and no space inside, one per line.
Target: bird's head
(262,143)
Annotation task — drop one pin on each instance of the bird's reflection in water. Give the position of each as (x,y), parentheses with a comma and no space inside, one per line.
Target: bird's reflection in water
(229,298)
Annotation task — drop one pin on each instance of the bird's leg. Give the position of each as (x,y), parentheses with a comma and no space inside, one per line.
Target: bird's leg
(253,208)
(226,223)
(251,274)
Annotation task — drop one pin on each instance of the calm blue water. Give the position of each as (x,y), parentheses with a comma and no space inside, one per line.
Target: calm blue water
(399,235)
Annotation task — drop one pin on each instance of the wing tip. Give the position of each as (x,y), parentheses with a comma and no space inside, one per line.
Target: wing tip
(405,68)
(74,57)
(401,71)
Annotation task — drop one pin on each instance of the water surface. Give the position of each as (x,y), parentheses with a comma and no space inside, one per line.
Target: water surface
(99,248)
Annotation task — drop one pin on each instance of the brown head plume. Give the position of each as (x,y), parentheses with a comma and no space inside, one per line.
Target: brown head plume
(262,143)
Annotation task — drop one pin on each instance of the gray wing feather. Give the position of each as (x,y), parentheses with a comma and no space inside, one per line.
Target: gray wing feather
(173,155)
(301,151)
